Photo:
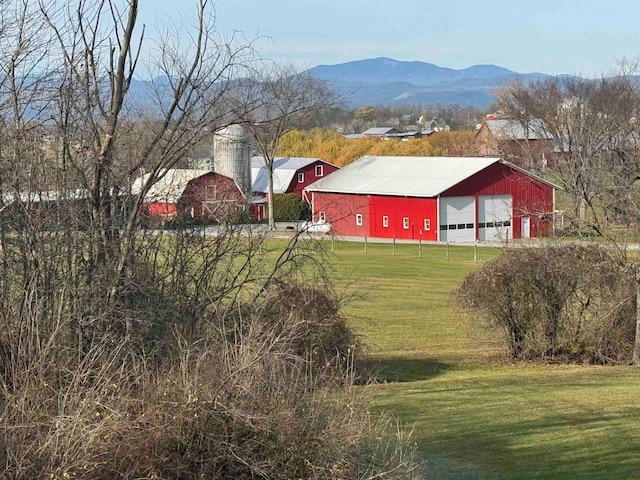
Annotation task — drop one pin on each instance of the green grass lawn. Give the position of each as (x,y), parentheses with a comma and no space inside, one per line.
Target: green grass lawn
(474,415)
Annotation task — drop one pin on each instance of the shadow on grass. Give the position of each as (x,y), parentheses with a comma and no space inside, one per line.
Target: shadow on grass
(517,429)
(400,370)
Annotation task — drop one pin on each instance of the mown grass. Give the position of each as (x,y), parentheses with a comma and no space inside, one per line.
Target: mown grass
(474,415)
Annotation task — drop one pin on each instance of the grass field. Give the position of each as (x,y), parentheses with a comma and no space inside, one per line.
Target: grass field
(474,415)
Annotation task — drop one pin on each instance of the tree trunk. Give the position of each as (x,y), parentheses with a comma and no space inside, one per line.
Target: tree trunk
(636,350)
(272,219)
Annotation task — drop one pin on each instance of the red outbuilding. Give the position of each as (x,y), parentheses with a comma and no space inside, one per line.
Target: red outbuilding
(451,199)
(199,194)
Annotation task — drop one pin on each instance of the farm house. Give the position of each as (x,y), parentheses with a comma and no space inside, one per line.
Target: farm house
(449,199)
(196,193)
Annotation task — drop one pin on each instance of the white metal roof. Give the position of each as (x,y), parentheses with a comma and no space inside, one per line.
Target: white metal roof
(284,169)
(402,176)
(170,187)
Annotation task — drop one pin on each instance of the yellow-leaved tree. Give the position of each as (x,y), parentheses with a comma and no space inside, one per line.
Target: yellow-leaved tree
(338,150)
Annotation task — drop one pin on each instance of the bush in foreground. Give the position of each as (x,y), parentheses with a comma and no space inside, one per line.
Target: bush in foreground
(571,302)
(256,385)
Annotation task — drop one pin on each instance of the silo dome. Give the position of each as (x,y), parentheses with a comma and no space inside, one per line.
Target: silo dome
(233,132)
(231,155)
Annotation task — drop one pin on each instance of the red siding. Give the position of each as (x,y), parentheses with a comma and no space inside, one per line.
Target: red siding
(211,196)
(531,197)
(398,208)
(340,211)
(309,176)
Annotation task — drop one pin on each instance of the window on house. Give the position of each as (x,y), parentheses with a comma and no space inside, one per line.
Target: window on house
(300,177)
(358,219)
(321,217)
(427,224)
(319,171)
(405,223)
(385,221)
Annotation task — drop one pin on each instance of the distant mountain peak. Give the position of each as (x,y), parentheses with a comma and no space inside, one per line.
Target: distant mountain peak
(386,81)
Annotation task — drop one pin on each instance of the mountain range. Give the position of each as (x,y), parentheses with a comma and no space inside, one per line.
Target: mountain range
(384,81)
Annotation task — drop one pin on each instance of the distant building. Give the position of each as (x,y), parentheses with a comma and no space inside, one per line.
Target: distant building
(379,132)
(525,145)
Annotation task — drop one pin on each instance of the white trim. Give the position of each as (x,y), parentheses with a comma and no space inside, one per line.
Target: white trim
(438,218)
(320,168)
(300,177)
(359,219)
(427,224)
(385,221)
(405,223)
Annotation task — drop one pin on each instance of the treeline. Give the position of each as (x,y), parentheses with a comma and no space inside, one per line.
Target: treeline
(335,148)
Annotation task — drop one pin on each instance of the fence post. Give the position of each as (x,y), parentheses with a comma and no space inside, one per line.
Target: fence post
(394,245)
(332,238)
(420,247)
(447,250)
(365,244)
(475,252)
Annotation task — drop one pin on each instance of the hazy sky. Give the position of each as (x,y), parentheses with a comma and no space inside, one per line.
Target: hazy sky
(550,36)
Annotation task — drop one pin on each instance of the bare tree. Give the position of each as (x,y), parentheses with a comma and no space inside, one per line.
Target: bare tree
(97,121)
(594,124)
(281,98)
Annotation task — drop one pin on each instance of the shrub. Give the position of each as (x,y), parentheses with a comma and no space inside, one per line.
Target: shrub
(200,368)
(568,301)
(288,207)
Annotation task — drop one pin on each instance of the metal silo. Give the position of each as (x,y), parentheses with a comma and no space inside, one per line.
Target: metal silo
(231,156)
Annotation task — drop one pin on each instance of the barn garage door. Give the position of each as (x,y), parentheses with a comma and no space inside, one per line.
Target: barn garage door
(457,219)
(494,217)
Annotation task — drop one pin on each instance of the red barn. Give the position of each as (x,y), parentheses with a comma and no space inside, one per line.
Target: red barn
(197,193)
(454,199)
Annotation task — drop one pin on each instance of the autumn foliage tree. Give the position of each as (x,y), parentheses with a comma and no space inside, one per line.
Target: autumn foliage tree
(335,148)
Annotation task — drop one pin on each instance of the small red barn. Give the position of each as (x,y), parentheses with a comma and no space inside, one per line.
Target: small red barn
(290,175)
(198,193)
(454,199)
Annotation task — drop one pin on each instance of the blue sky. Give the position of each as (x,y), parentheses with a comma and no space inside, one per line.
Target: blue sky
(584,37)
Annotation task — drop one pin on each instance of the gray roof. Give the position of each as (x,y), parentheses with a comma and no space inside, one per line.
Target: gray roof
(284,169)
(402,176)
(379,131)
(510,129)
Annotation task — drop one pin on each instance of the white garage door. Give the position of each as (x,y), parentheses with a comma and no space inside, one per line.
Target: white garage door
(494,217)
(457,219)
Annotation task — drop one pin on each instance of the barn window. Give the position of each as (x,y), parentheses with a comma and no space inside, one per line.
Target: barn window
(385,221)
(319,171)
(427,224)
(321,217)
(358,219)
(469,225)
(405,223)
(300,177)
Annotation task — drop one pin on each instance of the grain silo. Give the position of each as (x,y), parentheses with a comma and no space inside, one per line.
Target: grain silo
(231,156)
